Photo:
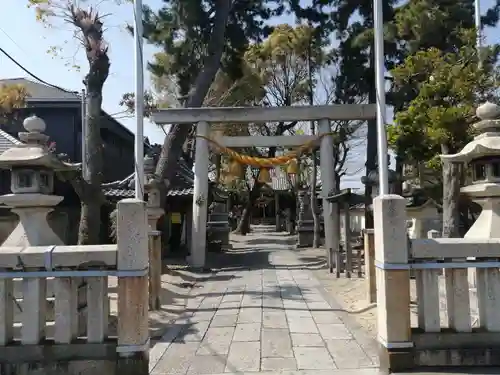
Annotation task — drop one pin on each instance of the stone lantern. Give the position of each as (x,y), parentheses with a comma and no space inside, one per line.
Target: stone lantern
(483,155)
(218,218)
(305,222)
(373,180)
(153,203)
(32,168)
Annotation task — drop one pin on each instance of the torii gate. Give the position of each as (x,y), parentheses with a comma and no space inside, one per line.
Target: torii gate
(203,117)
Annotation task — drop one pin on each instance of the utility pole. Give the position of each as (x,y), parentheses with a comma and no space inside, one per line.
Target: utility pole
(479,33)
(378,25)
(139,101)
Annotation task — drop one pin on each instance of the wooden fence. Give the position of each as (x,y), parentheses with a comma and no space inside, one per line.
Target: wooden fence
(454,325)
(54,304)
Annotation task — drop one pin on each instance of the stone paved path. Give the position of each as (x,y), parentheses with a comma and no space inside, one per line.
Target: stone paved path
(262,312)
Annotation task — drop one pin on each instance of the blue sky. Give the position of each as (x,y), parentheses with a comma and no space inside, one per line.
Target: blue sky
(30,49)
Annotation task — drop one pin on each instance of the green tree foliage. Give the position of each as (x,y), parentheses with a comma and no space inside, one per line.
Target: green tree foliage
(449,86)
(351,21)
(422,24)
(182,28)
(282,63)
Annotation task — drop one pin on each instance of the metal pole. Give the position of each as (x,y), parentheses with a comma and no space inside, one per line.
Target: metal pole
(84,133)
(479,34)
(378,22)
(139,101)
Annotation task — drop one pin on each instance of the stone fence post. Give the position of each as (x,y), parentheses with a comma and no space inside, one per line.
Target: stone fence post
(393,282)
(133,332)
(369,250)
(154,212)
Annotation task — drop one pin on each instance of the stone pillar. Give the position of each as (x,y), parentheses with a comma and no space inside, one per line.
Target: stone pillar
(288,216)
(200,198)
(277,211)
(393,283)
(154,212)
(189,228)
(347,240)
(132,326)
(330,210)
(369,250)
(305,223)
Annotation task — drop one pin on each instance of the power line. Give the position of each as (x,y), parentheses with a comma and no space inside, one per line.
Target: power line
(12,40)
(33,75)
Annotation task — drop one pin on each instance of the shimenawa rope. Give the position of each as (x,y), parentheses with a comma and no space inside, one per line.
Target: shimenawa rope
(259,162)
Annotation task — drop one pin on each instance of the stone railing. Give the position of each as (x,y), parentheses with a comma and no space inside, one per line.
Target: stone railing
(54,303)
(468,329)
(448,329)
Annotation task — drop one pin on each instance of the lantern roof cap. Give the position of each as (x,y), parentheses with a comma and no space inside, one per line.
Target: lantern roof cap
(34,151)
(487,142)
(373,177)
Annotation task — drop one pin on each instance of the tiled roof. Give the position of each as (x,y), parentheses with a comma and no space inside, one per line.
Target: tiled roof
(356,201)
(358,206)
(7,141)
(40,91)
(182,184)
(129,193)
(411,202)
(120,193)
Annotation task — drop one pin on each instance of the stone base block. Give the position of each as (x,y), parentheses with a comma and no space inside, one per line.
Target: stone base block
(441,350)
(79,367)
(396,360)
(305,238)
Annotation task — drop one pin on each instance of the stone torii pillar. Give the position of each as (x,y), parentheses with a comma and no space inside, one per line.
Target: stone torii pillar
(200,198)
(330,210)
